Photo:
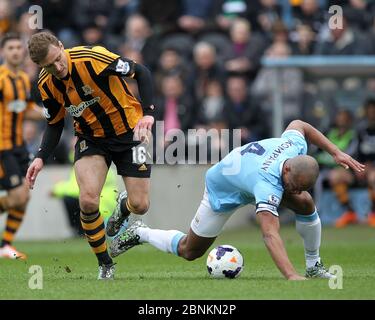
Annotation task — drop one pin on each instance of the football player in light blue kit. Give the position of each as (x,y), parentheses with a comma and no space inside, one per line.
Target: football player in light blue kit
(267,173)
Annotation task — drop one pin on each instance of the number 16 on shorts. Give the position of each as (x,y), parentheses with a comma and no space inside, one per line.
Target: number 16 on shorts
(139,154)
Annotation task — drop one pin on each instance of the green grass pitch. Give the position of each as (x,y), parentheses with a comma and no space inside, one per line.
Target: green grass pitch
(70,270)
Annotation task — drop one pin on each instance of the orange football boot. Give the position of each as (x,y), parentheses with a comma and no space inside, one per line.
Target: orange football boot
(371,219)
(348,217)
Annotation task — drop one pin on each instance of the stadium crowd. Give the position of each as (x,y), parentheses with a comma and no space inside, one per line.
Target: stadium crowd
(205,58)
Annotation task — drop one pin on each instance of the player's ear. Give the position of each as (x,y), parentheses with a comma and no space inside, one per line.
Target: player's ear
(61,45)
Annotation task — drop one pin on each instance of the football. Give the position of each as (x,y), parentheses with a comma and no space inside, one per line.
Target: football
(225,261)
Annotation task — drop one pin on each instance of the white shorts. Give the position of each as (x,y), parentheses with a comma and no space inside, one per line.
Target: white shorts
(206,222)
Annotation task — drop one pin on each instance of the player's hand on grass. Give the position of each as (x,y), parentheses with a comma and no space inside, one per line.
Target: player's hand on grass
(347,161)
(296,277)
(33,171)
(143,128)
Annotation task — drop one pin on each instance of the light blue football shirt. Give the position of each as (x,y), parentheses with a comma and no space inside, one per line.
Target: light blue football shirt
(252,173)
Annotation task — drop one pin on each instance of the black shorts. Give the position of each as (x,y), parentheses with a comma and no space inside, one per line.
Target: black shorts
(13,167)
(119,150)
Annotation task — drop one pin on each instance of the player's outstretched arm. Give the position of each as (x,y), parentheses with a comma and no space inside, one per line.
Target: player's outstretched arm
(317,138)
(32,172)
(145,87)
(50,140)
(270,229)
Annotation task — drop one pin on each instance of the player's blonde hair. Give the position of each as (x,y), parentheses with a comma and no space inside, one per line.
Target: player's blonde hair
(39,44)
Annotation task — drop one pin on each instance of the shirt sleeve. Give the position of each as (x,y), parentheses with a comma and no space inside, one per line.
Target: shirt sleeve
(121,67)
(52,109)
(267,198)
(109,63)
(298,139)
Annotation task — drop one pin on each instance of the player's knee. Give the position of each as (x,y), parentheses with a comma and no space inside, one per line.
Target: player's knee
(89,202)
(139,206)
(306,204)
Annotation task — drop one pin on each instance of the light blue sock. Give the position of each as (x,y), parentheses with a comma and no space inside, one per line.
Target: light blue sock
(310,229)
(164,240)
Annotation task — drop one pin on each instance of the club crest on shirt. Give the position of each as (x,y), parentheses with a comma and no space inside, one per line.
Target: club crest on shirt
(83,146)
(274,200)
(122,67)
(87,90)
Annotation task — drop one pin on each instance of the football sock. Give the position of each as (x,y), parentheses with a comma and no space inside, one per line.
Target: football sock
(164,240)
(342,194)
(93,226)
(126,208)
(309,227)
(13,223)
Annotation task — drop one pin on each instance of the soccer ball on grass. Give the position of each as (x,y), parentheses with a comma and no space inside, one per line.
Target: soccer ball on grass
(225,261)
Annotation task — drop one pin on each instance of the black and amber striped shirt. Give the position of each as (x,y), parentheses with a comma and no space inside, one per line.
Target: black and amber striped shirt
(94,93)
(14,101)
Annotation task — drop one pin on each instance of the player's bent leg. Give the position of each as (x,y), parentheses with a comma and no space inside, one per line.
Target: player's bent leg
(18,197)
(91,172)
(205,227)
(138,194)
(193,246)
(134,200)
(309,227)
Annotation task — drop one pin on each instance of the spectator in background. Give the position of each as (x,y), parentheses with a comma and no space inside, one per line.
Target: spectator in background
(23,28)
(92,35)
(138,36)
(6,17)
(58,19)
(246,50)
(32,136)
(211,108)
(162,15)
(344,41)
(340,181)
(171,62)
(226,11)
(122,9)
(269,11)
(241,113)
(174,106)
(366,154)
(280,33)
(86,12)
(309,14)
(196,15)
(289,80)
(211,118)
(204,69)
(304,40)
(343,135)
(360,14)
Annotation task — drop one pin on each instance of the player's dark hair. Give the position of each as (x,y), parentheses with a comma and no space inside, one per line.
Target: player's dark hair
(39,44)
(9,36)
